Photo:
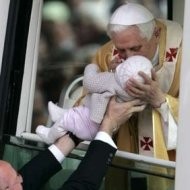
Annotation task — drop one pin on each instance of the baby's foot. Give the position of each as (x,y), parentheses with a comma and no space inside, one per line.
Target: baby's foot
(50,134)
(55,111)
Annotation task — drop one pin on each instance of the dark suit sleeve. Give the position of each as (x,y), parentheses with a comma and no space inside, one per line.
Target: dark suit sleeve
(37,171)
(92,168)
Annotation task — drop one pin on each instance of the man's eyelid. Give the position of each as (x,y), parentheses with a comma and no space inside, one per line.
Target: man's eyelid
(136,48)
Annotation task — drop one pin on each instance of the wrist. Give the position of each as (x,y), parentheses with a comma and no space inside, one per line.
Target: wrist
(65,144)
(74,138)
(160,102)
(158,105)
(108,126)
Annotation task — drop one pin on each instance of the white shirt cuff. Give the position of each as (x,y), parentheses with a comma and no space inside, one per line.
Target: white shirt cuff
(103,136)
(57,153)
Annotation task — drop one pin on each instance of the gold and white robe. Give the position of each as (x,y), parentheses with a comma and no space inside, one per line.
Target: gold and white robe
(149,132)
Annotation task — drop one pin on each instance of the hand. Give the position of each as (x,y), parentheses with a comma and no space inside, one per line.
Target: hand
(114,63)
(149,92)
(117,113)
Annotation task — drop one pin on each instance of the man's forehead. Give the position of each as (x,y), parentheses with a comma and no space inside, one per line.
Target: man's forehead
(128,33)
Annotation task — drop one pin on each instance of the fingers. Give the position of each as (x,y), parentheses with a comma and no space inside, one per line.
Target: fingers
(118,113)
(144,90)
(126,109)
(136,89)
(137,102)
(114,63)
(147,79)
(136,105)
(139,108)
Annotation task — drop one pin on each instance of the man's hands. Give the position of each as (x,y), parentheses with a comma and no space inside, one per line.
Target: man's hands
(117,113)
(149,92)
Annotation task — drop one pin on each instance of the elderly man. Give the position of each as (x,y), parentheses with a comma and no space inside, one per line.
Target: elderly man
(133,30)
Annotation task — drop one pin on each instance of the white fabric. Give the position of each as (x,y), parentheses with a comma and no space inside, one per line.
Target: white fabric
(169,127)
(173,40)
(130,68)
(165,76)
(76,120)
(172,134)
(102,85)
(131,14)
(57,153)
(55,112)
(155,59)
(50,134)
(163,110)
(103,136)
(83,121)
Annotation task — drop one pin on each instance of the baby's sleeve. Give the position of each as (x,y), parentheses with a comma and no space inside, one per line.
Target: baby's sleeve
(94,80)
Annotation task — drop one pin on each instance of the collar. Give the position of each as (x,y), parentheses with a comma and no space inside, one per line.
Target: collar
(155,59)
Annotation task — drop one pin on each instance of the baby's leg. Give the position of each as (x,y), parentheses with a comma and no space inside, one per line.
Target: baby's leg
(55,111)
(50,134)
(77,120)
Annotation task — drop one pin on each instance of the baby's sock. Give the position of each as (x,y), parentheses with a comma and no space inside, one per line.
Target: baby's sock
(55,111)
(50,134)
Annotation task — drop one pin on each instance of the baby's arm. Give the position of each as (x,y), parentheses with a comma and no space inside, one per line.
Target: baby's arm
(96,81)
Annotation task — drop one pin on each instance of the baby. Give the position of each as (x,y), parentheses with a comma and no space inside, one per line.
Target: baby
(83,121)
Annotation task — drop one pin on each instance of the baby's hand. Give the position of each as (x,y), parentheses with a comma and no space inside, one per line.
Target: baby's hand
(114,63)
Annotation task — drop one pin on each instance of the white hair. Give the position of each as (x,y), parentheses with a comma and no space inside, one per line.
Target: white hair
(146,29)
